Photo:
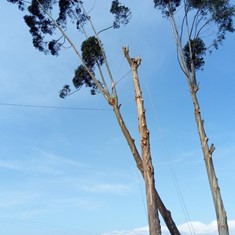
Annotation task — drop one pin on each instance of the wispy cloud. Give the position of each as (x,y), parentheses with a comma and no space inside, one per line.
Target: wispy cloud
(198,228)
(41,162)
(17,198)
(179,158)
(83,203)
(59,160)
(107,188)
(11,165)
(29,165)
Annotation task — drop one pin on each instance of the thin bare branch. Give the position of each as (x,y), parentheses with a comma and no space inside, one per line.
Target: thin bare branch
(76,51)
(110,27)
(193,24)
(102,50)
(202,27)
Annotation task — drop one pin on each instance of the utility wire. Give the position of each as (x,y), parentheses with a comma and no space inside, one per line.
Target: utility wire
(56,229)
(53,107)
(126,74)
(178,189)
(142,195)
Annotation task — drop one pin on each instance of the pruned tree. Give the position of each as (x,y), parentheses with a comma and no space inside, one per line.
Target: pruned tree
(203,26)
(43,27)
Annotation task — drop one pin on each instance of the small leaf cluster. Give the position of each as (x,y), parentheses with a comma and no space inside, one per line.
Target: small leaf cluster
(20,4)
(167,6)
(82,77)
(92,55)
(198,51)
(122,14)
(41,26)
(91,52)
(64,91)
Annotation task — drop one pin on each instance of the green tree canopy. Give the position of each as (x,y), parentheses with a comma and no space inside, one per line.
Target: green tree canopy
(42,28)
(208,21)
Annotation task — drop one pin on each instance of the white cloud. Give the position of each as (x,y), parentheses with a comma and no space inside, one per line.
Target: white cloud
(185,229)
(59,160)
(41,162)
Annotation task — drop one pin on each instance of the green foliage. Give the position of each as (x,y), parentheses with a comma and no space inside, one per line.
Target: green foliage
(64,91)
(54,47)
(196,4)
(20,3)
(82,77)
(217,12)
(167,6)
(91,52)
(214,15)
(121,12)
(198,50)
(92,56)
(41,26)
(42,29)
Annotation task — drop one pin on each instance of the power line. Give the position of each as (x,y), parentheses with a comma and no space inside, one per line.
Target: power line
(53,107)
(175,180)
(58,229)
(127,73)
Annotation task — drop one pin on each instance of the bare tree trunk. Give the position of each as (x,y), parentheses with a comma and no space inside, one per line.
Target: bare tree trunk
(207,152)
(153,218)
(166,214)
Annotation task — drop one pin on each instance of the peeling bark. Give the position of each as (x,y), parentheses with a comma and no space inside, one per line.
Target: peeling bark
(148,169)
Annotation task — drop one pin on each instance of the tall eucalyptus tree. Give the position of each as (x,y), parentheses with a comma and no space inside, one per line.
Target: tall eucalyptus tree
(215,17)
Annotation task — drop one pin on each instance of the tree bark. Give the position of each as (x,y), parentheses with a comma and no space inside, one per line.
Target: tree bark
(166,214)
(148,169)
(207,153)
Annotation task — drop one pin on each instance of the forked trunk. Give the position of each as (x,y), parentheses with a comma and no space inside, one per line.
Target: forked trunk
(166,214)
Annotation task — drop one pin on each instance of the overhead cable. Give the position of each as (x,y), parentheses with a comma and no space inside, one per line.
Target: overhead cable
(53,107)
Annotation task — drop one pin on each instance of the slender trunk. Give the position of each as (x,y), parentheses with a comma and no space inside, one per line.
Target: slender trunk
(153,218)
(166,214)
(207,152)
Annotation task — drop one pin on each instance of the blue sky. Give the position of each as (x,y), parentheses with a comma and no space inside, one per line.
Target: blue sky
(69,171)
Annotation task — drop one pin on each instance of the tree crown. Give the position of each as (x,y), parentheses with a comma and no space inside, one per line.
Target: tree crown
(215,16)
(43,26)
